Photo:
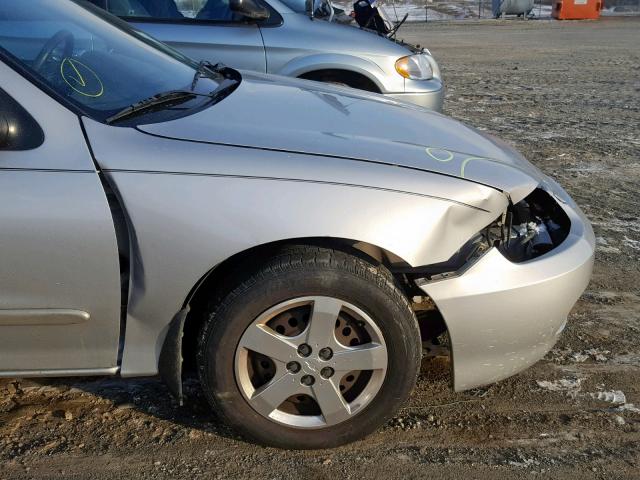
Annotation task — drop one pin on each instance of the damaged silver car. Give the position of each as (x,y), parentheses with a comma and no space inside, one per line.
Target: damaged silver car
(294,243)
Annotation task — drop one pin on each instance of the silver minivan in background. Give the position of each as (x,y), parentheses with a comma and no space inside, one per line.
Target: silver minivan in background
(278,37)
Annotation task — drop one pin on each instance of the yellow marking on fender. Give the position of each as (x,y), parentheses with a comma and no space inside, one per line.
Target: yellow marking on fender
(430,151)
(467,160)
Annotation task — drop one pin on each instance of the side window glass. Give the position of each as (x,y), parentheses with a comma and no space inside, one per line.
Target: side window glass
(216,10)
(190,8)
(123,8)
(164,9)
(205,10)
(127,8)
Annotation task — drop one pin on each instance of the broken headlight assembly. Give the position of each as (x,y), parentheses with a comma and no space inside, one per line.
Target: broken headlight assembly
(533,227)
(526,230)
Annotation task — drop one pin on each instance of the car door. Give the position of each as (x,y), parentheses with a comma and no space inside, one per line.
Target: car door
(59,271)
(201,29)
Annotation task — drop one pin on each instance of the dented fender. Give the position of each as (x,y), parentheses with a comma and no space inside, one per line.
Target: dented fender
(192,205)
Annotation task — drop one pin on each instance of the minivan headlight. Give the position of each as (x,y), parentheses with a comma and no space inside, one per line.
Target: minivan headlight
(414,67)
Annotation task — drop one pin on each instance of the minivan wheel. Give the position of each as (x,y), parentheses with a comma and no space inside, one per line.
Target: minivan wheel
(314,349)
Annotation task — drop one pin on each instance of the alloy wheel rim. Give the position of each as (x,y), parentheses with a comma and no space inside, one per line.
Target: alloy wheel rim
(311,362)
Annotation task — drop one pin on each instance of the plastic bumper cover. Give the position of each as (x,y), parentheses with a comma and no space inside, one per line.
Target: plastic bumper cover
(502,317)
(428,94)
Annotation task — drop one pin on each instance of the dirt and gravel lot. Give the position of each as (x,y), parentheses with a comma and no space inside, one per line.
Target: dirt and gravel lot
(568,95)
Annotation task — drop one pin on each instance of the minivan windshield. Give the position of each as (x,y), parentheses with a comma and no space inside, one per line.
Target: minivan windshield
(96,61)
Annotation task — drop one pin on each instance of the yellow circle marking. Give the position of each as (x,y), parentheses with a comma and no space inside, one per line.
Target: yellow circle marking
(430,151)
(467,160)
(76,79)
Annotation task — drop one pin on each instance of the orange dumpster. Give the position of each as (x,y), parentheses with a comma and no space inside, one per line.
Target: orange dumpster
(576,9)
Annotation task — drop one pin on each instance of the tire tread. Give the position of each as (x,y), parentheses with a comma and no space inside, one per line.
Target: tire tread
(291,258)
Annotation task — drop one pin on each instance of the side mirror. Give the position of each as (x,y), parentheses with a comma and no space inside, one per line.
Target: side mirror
(18,129)
(4,131)
(249,9)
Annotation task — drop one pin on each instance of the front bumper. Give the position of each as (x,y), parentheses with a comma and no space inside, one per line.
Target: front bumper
(424,93)
(501,316)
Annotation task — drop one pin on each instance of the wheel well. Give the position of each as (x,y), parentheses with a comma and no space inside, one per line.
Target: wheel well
(217,282)
(213,285)
(349,78)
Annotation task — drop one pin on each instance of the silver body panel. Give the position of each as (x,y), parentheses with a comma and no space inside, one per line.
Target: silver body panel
(58,250)
(225,200)
(237,45)
(299,46)
(236,195)
(333,121)
(278,159)
(501,316)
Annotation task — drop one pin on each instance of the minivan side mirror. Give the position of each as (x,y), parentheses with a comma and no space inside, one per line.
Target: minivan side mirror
(249,9)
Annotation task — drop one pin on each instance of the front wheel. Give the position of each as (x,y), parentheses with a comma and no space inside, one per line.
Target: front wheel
(314,349)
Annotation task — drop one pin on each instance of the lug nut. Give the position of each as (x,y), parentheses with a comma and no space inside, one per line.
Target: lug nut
(326,353)
(307,380)
(293,367)
(304,350)
(327,372)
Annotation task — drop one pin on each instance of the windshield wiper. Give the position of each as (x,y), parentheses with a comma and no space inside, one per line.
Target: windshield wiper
(175,97)
(205,66)
(159,100)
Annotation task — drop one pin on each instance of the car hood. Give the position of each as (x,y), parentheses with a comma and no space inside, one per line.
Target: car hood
(277,113)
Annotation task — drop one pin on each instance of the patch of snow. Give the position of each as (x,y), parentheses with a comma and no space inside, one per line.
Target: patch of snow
(579,357)
(587,168)
(617,225)
(631,243)
(602,245)
(428,10)
(619,420)
(608,249)
(628,359)
(629,407)
(613,396)
(525,463)
(597,354)
(569,385)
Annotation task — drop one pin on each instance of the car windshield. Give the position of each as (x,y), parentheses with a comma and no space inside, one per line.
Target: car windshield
(92,59)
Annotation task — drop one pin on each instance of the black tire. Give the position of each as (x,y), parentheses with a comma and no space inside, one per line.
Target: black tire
(298,272)
(336,81)
(343,79)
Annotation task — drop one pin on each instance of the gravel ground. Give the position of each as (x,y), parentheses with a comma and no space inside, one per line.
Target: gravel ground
(568,95)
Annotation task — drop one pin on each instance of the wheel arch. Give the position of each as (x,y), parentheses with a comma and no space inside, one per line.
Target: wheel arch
(301,66)
(180,341)
(213,280)
(350,78)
